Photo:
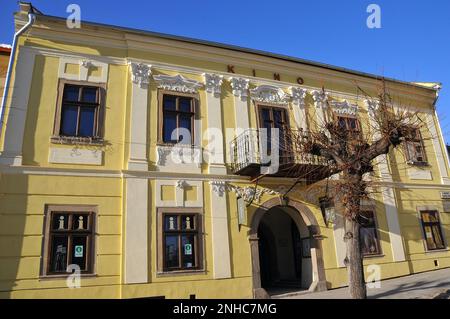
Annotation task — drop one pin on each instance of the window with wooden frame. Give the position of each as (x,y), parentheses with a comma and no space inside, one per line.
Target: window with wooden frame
(272,117)
(432,231)
(180,240)
(349,123)
(177,117)
(79,111)
(368,233)
(69,240)
(414,148)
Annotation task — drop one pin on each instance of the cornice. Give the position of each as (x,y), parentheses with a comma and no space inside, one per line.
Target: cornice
(198,51)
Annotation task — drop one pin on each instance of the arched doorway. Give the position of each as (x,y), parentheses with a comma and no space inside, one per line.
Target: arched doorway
(285,248)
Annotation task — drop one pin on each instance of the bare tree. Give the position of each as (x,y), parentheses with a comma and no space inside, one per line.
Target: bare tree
(353,155)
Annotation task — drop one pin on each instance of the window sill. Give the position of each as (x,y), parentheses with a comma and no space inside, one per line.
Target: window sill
(373,256)
(189,146)
(181,273)
(442,250)
(73,140)
(64,276)
(418,164)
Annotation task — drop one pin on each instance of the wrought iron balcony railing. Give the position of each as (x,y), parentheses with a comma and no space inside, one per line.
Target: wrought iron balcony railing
(248,157)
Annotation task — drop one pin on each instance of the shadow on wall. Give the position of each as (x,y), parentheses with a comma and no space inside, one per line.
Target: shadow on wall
(21,230)
(19,253)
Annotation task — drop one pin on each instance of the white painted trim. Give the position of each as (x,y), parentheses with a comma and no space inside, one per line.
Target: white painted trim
(241,113)
(339,242)
(438,151)
(395,237)
(299,107)
(18,109)
(140,74)
(136,231)
(215,148)
(219,232)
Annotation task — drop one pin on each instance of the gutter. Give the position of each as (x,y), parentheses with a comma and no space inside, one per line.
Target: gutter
(31,19)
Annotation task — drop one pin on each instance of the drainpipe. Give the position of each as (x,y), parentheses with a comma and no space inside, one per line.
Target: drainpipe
(31,19)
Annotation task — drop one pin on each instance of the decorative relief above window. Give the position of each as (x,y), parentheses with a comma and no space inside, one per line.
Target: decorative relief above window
(344,107)
(177,83)
(269,94)
(213,83)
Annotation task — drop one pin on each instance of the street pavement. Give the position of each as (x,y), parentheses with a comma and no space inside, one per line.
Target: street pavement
(426,285)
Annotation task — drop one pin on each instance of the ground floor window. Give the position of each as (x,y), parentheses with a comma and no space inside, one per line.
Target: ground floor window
(368,234)
(431,226)
(69,240)
(180,240)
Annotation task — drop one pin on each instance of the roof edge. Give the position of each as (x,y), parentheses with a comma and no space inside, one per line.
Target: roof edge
(28,7)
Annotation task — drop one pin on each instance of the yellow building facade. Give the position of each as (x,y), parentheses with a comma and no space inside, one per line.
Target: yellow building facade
(93,179)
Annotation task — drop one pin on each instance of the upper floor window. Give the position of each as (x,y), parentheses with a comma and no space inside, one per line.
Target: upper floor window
(177,115)
(368,234)
(69,239)
(275,118)
(414,148)
(432,231)
(79,110)
(350,124)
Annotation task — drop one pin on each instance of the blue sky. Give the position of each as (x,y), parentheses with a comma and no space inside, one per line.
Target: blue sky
(413,43)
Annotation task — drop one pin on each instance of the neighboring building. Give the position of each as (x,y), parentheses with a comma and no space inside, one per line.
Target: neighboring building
(5,52)
(88,177)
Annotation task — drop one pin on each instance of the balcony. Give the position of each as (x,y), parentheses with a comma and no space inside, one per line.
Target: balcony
(246,152)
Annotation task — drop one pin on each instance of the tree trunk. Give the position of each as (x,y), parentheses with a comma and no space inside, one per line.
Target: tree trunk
(353,193)
(354,260)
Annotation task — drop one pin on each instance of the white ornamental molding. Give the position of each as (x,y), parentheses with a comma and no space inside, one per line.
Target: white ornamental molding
(298,96)
(177,83)
(320,99)
(213,83)
(249,193)
(269,94)
(181,184)
(344,107)
(140,73)
(86,64)
(240,87)
(218,187)
(372,106)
